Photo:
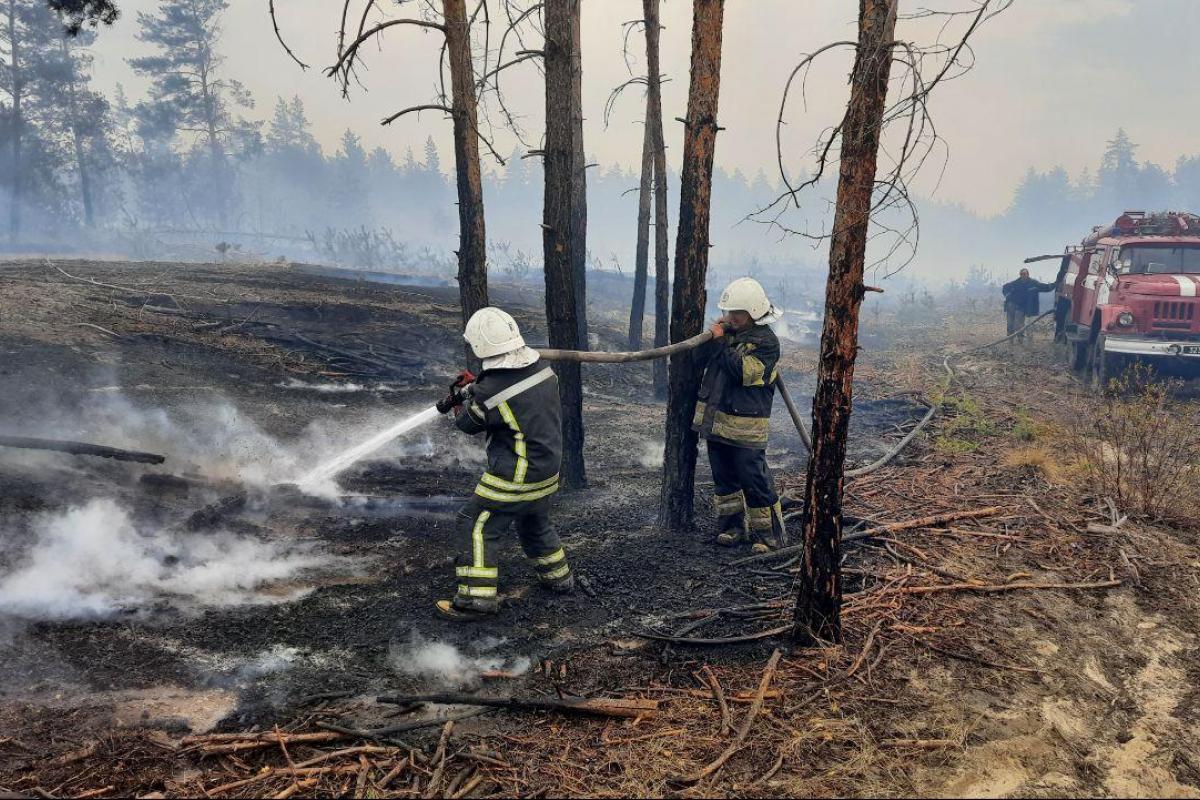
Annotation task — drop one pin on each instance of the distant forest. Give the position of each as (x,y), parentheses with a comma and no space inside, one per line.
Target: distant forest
(198,168)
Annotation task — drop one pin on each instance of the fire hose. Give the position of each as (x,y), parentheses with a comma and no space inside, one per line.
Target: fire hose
(595,357)
(701,338)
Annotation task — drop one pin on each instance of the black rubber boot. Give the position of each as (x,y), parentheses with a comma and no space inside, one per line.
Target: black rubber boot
(463,613)
(564,586)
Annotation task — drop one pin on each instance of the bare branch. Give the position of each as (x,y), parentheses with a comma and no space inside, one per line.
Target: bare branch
(347,56)
(417,110)
(279,36)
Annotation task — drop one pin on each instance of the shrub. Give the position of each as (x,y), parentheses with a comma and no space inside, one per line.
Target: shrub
(1141,447)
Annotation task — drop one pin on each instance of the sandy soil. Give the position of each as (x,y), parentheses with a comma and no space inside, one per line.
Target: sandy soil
(1028,693)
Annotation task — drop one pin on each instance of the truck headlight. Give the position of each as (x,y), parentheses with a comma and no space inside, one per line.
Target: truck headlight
(1125,319)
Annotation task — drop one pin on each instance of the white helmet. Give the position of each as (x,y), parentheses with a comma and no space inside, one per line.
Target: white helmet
(492,332)
(747,294)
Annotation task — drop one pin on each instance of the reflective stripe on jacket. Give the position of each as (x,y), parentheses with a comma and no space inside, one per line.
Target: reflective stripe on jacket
(524,436)
(738,388)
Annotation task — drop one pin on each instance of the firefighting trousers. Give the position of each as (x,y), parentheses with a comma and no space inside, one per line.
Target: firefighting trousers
(481,526)
(744,490)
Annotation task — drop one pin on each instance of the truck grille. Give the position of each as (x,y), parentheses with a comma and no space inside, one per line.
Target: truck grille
(1174,315)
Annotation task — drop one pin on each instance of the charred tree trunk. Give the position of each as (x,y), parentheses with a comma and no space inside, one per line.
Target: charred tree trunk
(637,309)
(662,266)
(472,245)
(579,183)
(691,261)
(18,125)
(560,216)
(819,590)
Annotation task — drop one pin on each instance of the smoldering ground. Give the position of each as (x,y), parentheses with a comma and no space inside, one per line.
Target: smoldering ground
(105,548)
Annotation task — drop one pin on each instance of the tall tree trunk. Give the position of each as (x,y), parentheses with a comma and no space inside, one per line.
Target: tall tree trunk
(819,590)
(579,184)
(18,125)
(472,246)
(85,179)
(560,216)
(662,264)
(691,261)
(637,308)
(216,152)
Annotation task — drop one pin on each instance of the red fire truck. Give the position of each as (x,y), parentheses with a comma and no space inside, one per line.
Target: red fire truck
(1131,292)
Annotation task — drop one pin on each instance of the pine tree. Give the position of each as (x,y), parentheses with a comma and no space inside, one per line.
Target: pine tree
(79,117)
(29,41)
(433,162)
(289,130)
(1118,176)
(189,93)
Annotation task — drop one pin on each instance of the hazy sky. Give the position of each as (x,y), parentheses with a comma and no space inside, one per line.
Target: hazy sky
(1054,80)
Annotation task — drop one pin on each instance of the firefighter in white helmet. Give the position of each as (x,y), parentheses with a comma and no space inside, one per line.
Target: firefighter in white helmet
(515,402)
(733,416)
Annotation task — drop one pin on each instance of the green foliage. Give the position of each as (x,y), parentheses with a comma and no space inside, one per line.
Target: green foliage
(965,424)
(1028,429)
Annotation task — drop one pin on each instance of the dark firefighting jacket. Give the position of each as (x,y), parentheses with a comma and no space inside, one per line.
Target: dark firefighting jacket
(519,410)
(738,387)
(1022,294)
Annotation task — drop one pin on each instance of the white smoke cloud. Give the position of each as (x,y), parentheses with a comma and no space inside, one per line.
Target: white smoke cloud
(218,441)
(651,456)
(93,561)
(446,664)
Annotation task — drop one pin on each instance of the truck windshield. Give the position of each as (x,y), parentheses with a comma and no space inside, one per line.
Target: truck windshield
(1147,260)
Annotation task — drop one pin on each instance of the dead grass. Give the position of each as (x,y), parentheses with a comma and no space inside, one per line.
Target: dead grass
(1038,459)
(1139,446)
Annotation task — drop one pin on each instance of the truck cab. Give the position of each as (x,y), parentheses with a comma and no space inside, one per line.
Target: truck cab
(1131,292)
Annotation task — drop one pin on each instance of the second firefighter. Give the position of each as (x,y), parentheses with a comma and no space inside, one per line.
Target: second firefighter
(733,416)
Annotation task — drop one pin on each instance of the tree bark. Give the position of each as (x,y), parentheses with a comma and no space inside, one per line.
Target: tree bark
(579,184)
(216,151)
(637,308)
(472,246)
(18,124)
(561,239)
(819,590)
(691,262)
(85,181)
(662,266)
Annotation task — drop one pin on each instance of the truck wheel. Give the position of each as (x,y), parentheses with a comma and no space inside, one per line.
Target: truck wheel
(1106,367)
(1077,355)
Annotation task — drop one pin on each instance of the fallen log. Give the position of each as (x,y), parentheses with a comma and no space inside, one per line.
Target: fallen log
(80,449)
(601,706)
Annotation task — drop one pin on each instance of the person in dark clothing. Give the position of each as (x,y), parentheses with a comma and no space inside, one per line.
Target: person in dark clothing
(515,402)
(733,416)
(1021,301)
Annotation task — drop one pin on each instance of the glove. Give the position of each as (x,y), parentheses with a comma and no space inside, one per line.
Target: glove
(458,393)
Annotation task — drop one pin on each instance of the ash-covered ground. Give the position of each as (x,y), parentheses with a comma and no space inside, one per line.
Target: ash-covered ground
(200,592)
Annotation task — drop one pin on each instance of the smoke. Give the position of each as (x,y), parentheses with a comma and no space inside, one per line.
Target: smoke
(94,561)
(217,441)
(325,388)
(446,664)
(651,456)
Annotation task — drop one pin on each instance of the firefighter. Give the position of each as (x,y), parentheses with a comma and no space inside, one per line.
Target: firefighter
(733,416)
(1021,301)
(515,402)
